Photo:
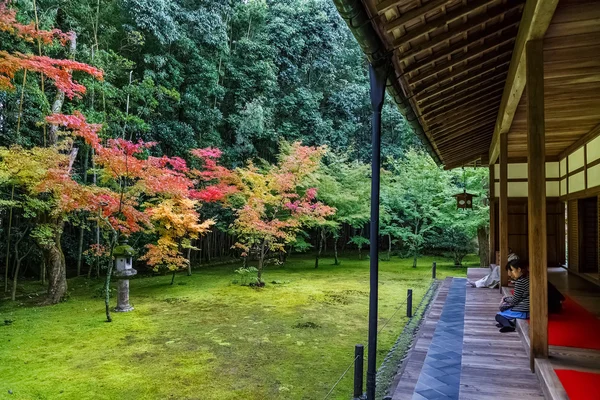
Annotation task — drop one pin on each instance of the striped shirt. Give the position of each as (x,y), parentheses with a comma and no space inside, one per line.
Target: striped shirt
(519,301)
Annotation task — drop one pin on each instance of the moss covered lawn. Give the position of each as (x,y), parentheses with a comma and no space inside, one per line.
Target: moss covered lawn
(205,337)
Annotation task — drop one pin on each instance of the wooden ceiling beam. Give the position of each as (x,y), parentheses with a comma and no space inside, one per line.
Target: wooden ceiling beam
(497,79)
(474,144)
(463,80)
(459,125)
(464,108)
(457,132)
(495,12)
(436,23)
(409,15)
(451,99)
(493,30)
(499,57)
(581,141)
(536,18)
(470,159)
(442,127)
(479,79)
(498,43)
(476,99)
(386,5)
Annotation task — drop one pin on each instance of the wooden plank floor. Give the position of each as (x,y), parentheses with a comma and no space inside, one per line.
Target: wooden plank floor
(494,365)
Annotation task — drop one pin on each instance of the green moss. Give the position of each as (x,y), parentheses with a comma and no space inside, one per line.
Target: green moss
(208,339)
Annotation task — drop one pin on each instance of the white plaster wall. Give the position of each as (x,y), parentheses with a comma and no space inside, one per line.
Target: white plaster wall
(517,171)
(553,189)
(563,167)
(593,150)
(563,187)
(593,176)
(552,170)
(517,189)
(577,182)
(576,160)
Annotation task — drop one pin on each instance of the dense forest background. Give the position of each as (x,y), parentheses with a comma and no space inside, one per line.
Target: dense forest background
(243,76)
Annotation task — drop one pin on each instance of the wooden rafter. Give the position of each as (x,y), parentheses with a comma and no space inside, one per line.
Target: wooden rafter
(438,22)
(489,58)
(484,83)
(470,107)
(498,43)
(460,82)
(450,100)
(450,137)
(409,15)
(476,80)
(440,128)
(537,15)
(477,120)
(508,24)
(476,99)
(474,22)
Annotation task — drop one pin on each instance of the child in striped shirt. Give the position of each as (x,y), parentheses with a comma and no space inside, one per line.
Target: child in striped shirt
(517,305)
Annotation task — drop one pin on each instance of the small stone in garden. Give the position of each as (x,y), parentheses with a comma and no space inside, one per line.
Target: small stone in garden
(10,391)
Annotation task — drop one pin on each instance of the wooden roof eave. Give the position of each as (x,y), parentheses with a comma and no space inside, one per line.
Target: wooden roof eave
(357,18)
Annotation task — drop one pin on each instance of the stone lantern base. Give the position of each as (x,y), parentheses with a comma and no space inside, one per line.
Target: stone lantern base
(123,297)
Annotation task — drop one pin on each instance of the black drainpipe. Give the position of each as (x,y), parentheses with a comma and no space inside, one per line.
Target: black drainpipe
(378,79)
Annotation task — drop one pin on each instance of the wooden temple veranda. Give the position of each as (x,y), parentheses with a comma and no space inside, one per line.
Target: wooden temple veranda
(513,85)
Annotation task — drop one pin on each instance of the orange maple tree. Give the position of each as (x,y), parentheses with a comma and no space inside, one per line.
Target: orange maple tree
(272,203)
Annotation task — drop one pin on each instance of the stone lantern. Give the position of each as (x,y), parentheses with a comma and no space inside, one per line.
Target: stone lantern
(123,254)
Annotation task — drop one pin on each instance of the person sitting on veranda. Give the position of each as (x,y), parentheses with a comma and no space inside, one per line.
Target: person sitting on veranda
(515,306)
(492,279)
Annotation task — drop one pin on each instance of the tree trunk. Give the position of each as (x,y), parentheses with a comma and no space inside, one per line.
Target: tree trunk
(321,239)
(208,247)
(59,100)
(483,239)
(389,257)
(415,259)
(335,252)
(108,276)
(189,257)
(261,261)
(10,214)
(81,228)
(173,278)
(57,270)
(43,271)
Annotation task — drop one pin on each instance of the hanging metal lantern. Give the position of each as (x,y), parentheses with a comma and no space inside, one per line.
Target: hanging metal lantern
(464,200)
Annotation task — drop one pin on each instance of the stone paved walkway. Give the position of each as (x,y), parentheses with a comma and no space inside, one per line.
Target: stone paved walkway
(440,375)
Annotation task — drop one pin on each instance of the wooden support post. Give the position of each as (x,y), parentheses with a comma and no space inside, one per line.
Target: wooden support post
(536,162)
(503,209)
(492,255)
(409,303)
(359,352)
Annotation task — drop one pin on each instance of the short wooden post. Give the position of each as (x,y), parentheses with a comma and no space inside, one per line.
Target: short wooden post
(409,304)
(536,161)
(433,272)
(503,209)
(359,351)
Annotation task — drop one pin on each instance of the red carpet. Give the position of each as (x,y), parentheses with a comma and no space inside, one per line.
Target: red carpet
(580,385)
(574,327)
